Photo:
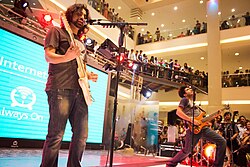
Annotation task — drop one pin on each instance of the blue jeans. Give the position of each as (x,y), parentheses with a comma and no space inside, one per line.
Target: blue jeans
(207,134)
(65,104)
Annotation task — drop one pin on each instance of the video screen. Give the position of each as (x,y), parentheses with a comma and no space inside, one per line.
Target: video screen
(24,109)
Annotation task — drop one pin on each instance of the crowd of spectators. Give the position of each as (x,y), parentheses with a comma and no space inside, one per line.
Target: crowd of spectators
(158,36)
(167,69)
(199,28)
(237,79)
(110,14)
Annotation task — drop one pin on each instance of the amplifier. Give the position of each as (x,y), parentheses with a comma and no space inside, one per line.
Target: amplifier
(169,150)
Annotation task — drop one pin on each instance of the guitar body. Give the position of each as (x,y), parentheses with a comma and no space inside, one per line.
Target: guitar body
(84,84)
(197,129)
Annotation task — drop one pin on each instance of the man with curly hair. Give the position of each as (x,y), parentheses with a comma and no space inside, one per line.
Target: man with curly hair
(65,97)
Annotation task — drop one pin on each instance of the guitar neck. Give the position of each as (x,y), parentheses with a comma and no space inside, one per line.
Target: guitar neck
(81,64)
(210,117)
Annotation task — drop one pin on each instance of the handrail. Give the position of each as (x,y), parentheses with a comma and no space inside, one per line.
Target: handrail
(31,26)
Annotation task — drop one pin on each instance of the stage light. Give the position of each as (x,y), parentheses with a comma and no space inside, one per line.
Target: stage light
(130,64)
(135,66)
(121,57)
(20,7)
(47,17)
(90,44)
(146,92)
(45,20)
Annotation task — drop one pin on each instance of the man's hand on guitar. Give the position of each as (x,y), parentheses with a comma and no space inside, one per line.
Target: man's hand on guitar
(72,52)
(92,76)
(197,122)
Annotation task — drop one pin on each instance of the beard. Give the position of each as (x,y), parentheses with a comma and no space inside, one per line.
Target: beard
(79,23)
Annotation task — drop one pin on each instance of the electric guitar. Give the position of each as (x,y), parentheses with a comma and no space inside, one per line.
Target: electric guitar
(205,120)
(81,70)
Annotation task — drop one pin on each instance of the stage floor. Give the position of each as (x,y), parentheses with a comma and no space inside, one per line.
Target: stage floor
(95,158)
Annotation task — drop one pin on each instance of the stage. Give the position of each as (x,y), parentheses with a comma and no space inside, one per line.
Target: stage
(16,157)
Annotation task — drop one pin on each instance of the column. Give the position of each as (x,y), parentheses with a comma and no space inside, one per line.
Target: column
(214,57)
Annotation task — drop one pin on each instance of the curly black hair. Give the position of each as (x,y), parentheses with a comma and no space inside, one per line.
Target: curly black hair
(181,91)
(76,8)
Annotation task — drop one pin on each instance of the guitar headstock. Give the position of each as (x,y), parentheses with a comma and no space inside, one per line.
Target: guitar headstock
(226,107)
(66,24)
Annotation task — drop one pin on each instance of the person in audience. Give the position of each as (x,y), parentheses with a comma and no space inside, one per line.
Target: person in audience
(171,67)
(139,56)
(198,27)
(181,35)
(113,19)
(204,27)
(231,133)
(242,125)
(158,34)
(110,14)
(247,18)
(140,39)
(177,68)
(185,68)
(105,10)
(225,25)
(244,147)
(233,21)
(164,135)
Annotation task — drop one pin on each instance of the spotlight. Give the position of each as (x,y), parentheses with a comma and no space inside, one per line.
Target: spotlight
(146,92)
(45,20)
(130,64)
(90,44)
(121,57)
(88,41)
(135,66)
(20,7)
(47,17)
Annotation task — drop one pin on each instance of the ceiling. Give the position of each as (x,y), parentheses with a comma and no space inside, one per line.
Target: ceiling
(190,10)
(149,4)
(164,13)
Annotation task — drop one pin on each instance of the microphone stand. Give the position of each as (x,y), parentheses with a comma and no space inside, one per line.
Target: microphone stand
(194,88)
(121,26)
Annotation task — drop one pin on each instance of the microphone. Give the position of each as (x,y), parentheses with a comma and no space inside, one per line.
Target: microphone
(181,78)
(91,21)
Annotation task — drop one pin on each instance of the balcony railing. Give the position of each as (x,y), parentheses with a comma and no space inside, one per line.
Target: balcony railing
(236,80)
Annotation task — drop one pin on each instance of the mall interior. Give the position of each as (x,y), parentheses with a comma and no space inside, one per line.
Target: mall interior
(143,51)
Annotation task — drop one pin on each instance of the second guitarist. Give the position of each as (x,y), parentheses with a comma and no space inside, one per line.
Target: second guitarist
(184,111)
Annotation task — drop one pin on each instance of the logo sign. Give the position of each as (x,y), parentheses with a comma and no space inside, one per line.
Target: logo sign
(23,97)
